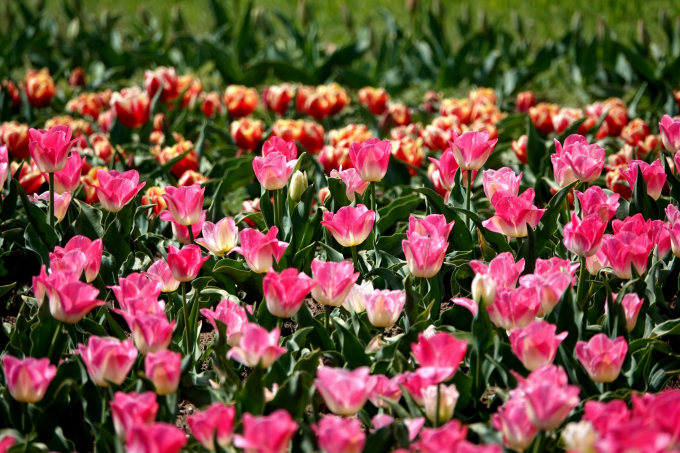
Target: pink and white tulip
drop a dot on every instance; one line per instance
(61, 203)
(258, 249)
(214, 422)
(503, 269)
(350, 226)
(585, 160)
(513, 213)
(278, 145)
(116, 189)
(424, 255)
(185, 204)
(484, 289)
(339, 435)
(584, 237)
(548, 397)
(266, 434)
(232, 315)
(155, 438)
(185, 264)
(273, 170)
(150, 332)
(257, 347)
(285, 292)
(345, 392)
(370, 158)
(68, 178)
(654, 175)
(513, 421)
(27, 379)
(136, 292)
(433, 225)
(181, 232)
(91, 249)
(352, 180)
(384, 307)
(632, 304)
(448, 397)
(438, 356)
(384, 388)
(356, 299)
(536, 345)
(669, 129)
(164, 370)
(514, 307)
(596, 201)
(626, 249)
(160, 272)
(132, 409)
(219, 238)
(108, 359)
(471, 149)
(333, 281)
(503, 179)
(601, 357)
(50, 149)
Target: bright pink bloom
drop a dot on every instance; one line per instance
(351, 225)
(345, 392)
(285, 292)
(631, 306)
(116, 189)
(91, 249)
(156, 438)
(606, 416)
(445, 439)
(333, 280)
(673, 214)
(381, 420)
(61, 203)
(416, 384)
(339, 435)
(219, 238)
(669, 129)
(108, 359)
(136, 291)
(50, 149)
(384, 388)
(601, 357)
(564, 173)
(654, 175)
(471, 149)
(550, 279)
(626, 249)
(596, 201)
(215, 421)
(424, 255)
(586, 161)
(70, 299)
(469, 447)
(258, 248)
(185, 264)
(384, 307)
(536, 345)
(548, 397)
(164, 369)
(470, 304)
(132, 409)
(150, 332)
(370, 158)
(353, 183)
(583, 237)
(266, 434)
(438, 356)
(433, 225)
(160, 271)
(257, 347)
(514, 307)
(503, 179)
(273, 170)
(181, 232)
(6, 442)
(513, 213)
(68, 178)
(502, 268)
(278, 145)
(513, 421)
(27, 379)
(4, 165)
(232, 315)
(658, 231)
(185, 203)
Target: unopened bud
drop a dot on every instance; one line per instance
(298, 185)
(580, 437)
(448, 397)
(483, 289)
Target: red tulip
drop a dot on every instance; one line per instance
(116, 189)
(164, 79)
(654, 175)
(185, 264)
(91, 249)
(409, 150)
(160, 271)
(333, 281)
(132, 409)
(211, 105)
(276, 98)
(257, 347)
(156, 438)
(525, 100)
(374, 99)
(108, 359)
(164, 369)
(344, 392)
(258, 249)
(339, 435)
(601, 357)
(371, 158)
(536, 345)
(27, 379)
(215, 422)
(513, 213)
(232, 315)
(131, 106)
(266, 434)
(583, 237)
(519, 146)
(240, 101)
(384, 307)
(285, 292)
(15, 136)
(350, 226)
(50, 149)
(40, 88)
(541, 115)
(438, 356)
(247, 133)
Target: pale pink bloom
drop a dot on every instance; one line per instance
(164, 369)
(116, 189)
(185, 264)
(258, 248)
(380, 421)
(160, 271)
(503, 179)
(673, 214)
(339, 435)
(273, 170)
(350, 226)
(467, 303)
(484, 289)
(68, 178)
(502, 268)
(438, 356)
(132, 409)
(580, 436)
(548, 397)
(445, 439)
(356, 299)
(108, 359)
(471, 149)
(632, 304)
(69, 299)
(433, 225)
(669, 129)
(654, 175)
(564, 173)
(384, 307)
(370, 158)
(155, 438)
(424, 255)
(61, 203)
(257, 347)
(215, 421)
(181, 232)
(448, 397)
(333, 280)
(136, 292)
(92, 250)
(352, 180)
(514, 307)
(185, 204)
(513, 421)
(601, 357)
(285, 292)
(596, 262)
(513, 213)
(384, 388)
(596, 201)
(232, 315)
(626, 249)
(345, 392)
(550, 279)
(586, 161)
(150, 332)
(219, 238)
(278, 145)
(536, 345)
(266, 434)
(50, 149)
(27, 379)
(583, 237)
(415, 384)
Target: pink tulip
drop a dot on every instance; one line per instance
(441, 411)
(424, 255)
(333, 281)
(185, 264)
(108, 359)
(356, 299)
(472, 149)
(514, 307)
(596, 201)
(353, 183)
(70, 300)
(257, 347)
(416, 384)
(548, 397)
(503, 179)
(216, 421)
(116, 189)
(438, 356)
(132, 409)
(657, 231)
(562, 168)
(579, 436)
(446, 167)
(61, 203)
(150, 332)
(345, 392)
(27, 379)
(586, 161)
(384, 388)
(350, 226)
(536, 345)
(279, 145)
(4, 165)
(266, 434)
(181, 232)
(513, 213)
(160, 272)
(379, 421)
(654, 175)
(606, 416)
(601, 357)
(232, 315)
(513, 421)
(156, 438)
(502, 268)
(433, 225)
(137, 291)
(596, 262)
(469, 447)
(68, 178)
(92, 250)
(583, 237)
(258, 248)
(285, 292)
(669, 129)
(673, 214)
(470, 304)
(164, 369)
(384, 307)
(185, 203)
(550, 279)
(370, 158)
(339, 435)
(632, 304)
(50, 149)
(273, 170)
(445, 439)
(414, 425)
(626, 249)
(6, 442)
(219, 238)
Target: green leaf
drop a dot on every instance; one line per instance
(319, 338)
(537, 152)
(672, 181)
(497, 240)
(38, 219)
(350, 347)
(89, 221)
(251, 398)
(338, 194)
(399, 209)
(34, 244)
(568, 318)
(528, 251)
(548, 225)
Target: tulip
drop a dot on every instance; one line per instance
(50, 149)
(257, 347)
(164, 79)
(266, 434)
(232, 315)
(536, 345)
(68, 178)
(150, 332)
(586, 161)
(416, 384)
(108, 359)
(132, 409)
(116, 189)
(352, 180)
(484, 289)
(154, 195)
(350, 226)
(445, 439)
(136, 291)
(601, 357)
(164, 369)
(61, 203)
(514, 307)
(524, 101)
(424, 255)
(442, 411)
(653, 174)
(472, 149)
(27, 379)
(240, 101)
(596, 201)
(669, 129)
(513, 213)
(285, 292)
(298, 186)
(215, 422)
(583, 237)
(519, 147)
(70, 300)
(160, 271)
(562, 163)
(219, 238)
(211, 105)
(625, 250)
(258, 249)
(448, 167)
(40, 88)
(91, 249)
(156, 438)
(273, 170)
(6, 442)
(580, 436)
(384, 307)
(333, 281)
(503, 179)
(344, 392)
(247, 133)
(278, 145)
(371, 158)
(513, 421)
(131, 107)
(596, 262)
(356, 299)
(549, 284)
(438, 356)
(339, 435)
(276, 98)
(433, 225)
(548, 397)
(374, 99)
(185, 203)
(16, 137)
(657, 231)
(632, 304)
(410, 151)
(384, 388)
(4, 165)
(502, 268)
(185, 264)
(181, 232)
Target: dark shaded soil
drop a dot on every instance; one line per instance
(206, 339)
(314, 306)
(445, 305)
(393, 331)
(185, 409)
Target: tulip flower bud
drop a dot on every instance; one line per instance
(448, 396)
(580, 436)
(484, 289)
(298, 185)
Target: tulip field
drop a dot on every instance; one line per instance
(253, 240)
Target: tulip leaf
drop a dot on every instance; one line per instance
(497, 241)
(34, 244)
(482, 334)
(398, 209)
(673, 182)
(319, 338)
(331, 253)
(303, 229)
(251, 399)
(528, 252)
(9, 204)
(547, 226)
(537, 152)
(89, 221)
(38, 219)
(267, 208)
(380, 441)
(339, 196)
(567, 316)
(350, 347)
(292, 396)
(641, 202)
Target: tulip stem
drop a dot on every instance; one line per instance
(51, 200)
(468, 194)
(186, 317)
(355, 258)
(374, 204)
(439, 396)
(423, 288)
(278, 210)
(581, 294)
(191, 233)
(328, 309)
